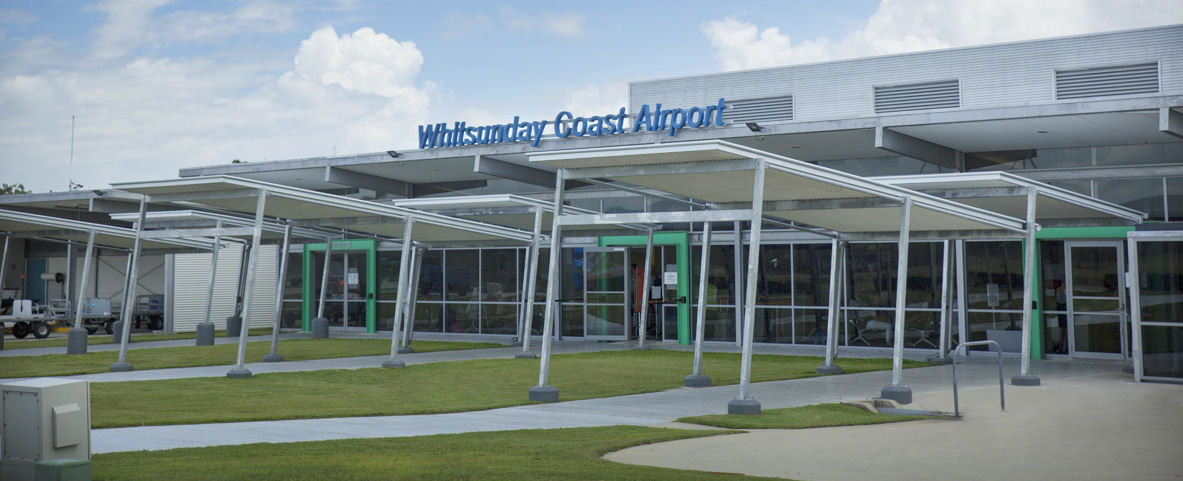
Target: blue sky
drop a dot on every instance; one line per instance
(157, 85)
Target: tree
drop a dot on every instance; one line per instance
(6, 189)
(236, 161)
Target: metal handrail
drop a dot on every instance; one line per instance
(961, 348)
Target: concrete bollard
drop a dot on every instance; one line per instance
(205, 334)
(117, 331)
(76, 341)
(320, 328)
(233, 326)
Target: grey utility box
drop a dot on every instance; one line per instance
(42, 419)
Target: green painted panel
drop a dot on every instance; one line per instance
(370, 246)
(681, 241)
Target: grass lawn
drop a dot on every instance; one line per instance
(803, 417)
(556, 454)
(190, 356)
(96, 339)
(426, 388)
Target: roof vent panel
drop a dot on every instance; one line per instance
(922, 96)
(766, 109)
(1107, 81)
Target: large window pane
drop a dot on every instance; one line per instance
(1145, 195)
(1162, 348)
(774, 325)
(994, 275)
(499, 273)
(720, 275)
(1175, 198)
(720, 323)
(1052, 274)
(461, 275)
(1160, 272)
(872, 269)
(293, 280)
(431, 276)
(291, 317)
(774, 286)
(388, 264)
(429, 317)
(463, 317)
(811, 275)
(809, 326)
(499, 318)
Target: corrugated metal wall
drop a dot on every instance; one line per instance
(192, 284)
(991, 76)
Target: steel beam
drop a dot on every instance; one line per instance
(644, 294)
(506, 170)
(404, 262)
(1170, 122)
(129, 297)
(934, 235)
(205, 195)
(382, 185)
(1025, 378)
(543, 392)
(909, 146)
(531, 283)
(832, 310)
(213, 275)
(81, 298)
(897, 390)
(976, 192)
(240, 370)
(696, 377)
(708, 167)
(191, 233)
(656, 217)
(745, 404)
(274, 355)
(816, 204)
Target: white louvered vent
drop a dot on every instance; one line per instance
(1107, 81)
(767, 109)
(922, 96)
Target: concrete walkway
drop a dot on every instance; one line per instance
(1098, 426)
(641, 409)
(9, 351)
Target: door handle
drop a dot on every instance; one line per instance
(681, 299)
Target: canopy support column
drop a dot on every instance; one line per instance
(696, 377)
(946, 291)
(320, 325)
(76, 338)
(962, 303)
(129, 294)
(205, 329)
(643, 321)
(404, 263)
(3, 268)
(412, 299)
(543, 392)
(898, 391)
(240, 370)
(737, 258)
(832, 313)
(531, 285)
(1025, 378)
(745, 404)
(274, 355)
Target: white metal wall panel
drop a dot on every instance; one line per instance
(192, 284)
(1001, 75)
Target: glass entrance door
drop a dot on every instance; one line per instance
(1096, 307)
(606, 294)
(354, 290)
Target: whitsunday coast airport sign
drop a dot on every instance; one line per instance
(566, 125)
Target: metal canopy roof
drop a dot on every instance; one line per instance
(305, 208)
(22, 224)
(508, 210)
(1006, 194)
(722, 173)
(178, 219)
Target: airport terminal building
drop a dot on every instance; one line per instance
(1072, 146)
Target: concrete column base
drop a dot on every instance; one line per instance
(697, 380)
(393, 363)
(205, 334)
(233, 326)
(274, 357)
(544, 394)
(943, 361)
(1025, 380)
(120, 367)
(747, 407)
(406, 350)
(320, 328)
(829, 370)
(76, 341)
(243, 373)
(899, 393)
(117, 331)
(525, 355)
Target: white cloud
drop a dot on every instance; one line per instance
(146, 117)
(461, 25)
(567, 24)
(595, 99)
(134, 23)
(913, 25)
(9, 16)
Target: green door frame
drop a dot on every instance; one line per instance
(681, 240)
(370, 247)
(1055, 234)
